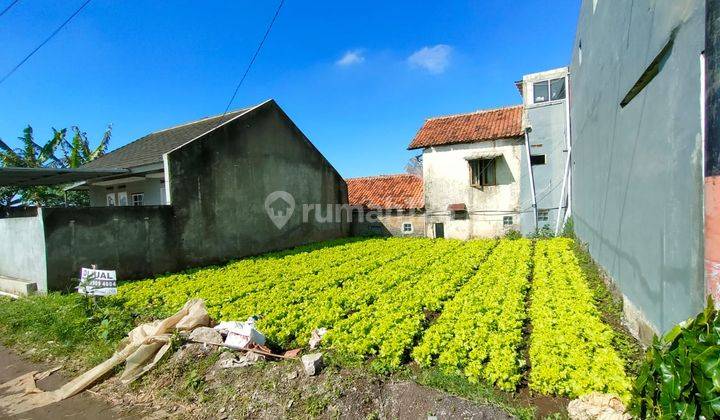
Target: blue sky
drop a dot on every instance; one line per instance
(359, 78)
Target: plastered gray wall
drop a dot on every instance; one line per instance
(637, 171)
(547, 138)
(219, 184)
(137, 242)
(22, 249)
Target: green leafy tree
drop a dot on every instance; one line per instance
(78, 152)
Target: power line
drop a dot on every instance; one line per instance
(9, 7)
(44, 42)
(252, 60)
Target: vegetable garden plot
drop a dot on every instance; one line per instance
(571, 349)
(389, 326)
(480, 330)
(459, 305)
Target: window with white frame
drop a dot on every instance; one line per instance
(407, 228)
(549, 90)
(137, 199)
(507, 220)
(543, 215)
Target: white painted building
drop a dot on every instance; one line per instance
(488, 172)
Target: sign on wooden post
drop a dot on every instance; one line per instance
(94, 282)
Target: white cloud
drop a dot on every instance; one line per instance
(433, 59)
(350, 58)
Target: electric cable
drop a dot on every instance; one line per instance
(9, 7)
(27, 57)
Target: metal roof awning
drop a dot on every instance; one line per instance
(492, 154)
(29, 177)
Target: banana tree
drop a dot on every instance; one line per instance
(75, 153)
(78, 152)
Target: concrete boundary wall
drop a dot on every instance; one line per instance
(637, 179)
(137, 242)
(22, 254)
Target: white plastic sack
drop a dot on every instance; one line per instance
(240, 334)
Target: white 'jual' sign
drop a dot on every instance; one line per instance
(97, 282)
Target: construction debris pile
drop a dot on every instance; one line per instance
(146, 345)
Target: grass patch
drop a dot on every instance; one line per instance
(66, 327)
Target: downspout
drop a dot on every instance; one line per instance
(568, 136)
(711, 149)
(566, 174)
(532, 177)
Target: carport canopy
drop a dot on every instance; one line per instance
(29, 177)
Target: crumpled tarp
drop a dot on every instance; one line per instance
(141, 350)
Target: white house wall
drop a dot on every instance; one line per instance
(151, 189)
(446, 174)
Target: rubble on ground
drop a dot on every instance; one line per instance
(597, 406)
(312, 363)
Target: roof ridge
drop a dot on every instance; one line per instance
(479, 111)
(168, 129)
(198, 120)
(382, 176)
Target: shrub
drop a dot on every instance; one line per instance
(680, 377)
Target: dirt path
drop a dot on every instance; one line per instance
(81, 406)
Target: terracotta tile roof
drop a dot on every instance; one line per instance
(470, 128)
(389, 192)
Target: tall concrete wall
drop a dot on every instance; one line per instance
(22, 249)
(219, 184)
(137, 242)
(637, 170)
(446, 174)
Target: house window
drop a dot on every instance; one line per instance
(122, 198)
(549, 90)
(537, 159)
(407, 228)
(439, 230)
(507, 220)
(482, 172)
(557, 89)
(110, 199)
(543, 215)
(137, 199)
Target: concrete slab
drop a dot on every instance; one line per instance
(17, 286)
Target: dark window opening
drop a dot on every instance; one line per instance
(482, 172)
(439, 230)
(507, 220)
(543, 215)
(540, 92)
(549, 90)
(557, 89)
(537, 159)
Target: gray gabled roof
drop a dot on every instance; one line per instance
(151, 148)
